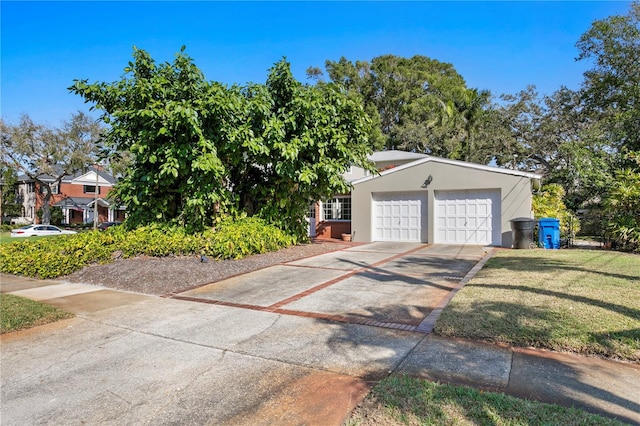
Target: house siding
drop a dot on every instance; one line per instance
(73, 190)
(32, 198)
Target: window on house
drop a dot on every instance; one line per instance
(338, 208)
(55, 189)
(31, 187)
(91, 189)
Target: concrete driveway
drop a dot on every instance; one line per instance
(385, 284)
(290, 344)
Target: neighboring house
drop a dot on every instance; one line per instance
(419, 198)
(75, 195)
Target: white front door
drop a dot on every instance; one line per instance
(468, 217)
(399, 217)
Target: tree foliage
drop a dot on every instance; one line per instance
(418, 104)
(47, 154)
(622, 207)
(554, 137)
(612, 87)
(200, 149)
(549, 203)
(611, 97)
(8, 200)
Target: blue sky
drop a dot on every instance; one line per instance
(499, 46)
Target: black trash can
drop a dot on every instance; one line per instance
(522, 232)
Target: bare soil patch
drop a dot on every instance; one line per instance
(166, 275)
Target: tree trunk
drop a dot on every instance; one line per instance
(46, 212)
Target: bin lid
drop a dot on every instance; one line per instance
(549, 219)
(522, 219)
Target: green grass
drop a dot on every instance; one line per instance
(582, 301)
(5, 237)
(18, 313)
(401, 400)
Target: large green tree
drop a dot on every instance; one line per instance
(611, 95)
(553, 136)
(200, 149)
(46, 155)
(418, 104)
(611, 89)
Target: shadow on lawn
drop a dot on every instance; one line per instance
(503, 322)
(527, 326)
(613, 307)
(546, 264)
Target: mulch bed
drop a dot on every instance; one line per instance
(165, 275)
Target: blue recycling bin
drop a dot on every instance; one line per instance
(549, 233)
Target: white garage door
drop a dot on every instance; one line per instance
(467, 217)
(399, 217)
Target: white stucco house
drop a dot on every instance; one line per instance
(420, 198)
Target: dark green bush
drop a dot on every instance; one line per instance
(622, 211)
(57, 256)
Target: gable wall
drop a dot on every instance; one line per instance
(515, 194)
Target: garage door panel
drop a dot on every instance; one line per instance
(467, 217)
(399, 217)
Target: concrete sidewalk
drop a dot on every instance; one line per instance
(596, 385)
(135, 359)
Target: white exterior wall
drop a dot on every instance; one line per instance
(514, 190)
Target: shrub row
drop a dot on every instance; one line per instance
(57, 256)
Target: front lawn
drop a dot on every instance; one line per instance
(401, 400)
(582, 301)
(18, 313)
(5, 237)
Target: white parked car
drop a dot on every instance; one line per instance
(39, 230)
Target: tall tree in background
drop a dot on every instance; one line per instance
(611, 95)
(611, 90)
(46, 154)
(8, 201)
(200, 149)
(552, 136)
(420, 104)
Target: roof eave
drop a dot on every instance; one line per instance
(491, 169)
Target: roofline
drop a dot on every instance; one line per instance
(110, 180)
(451, 162)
